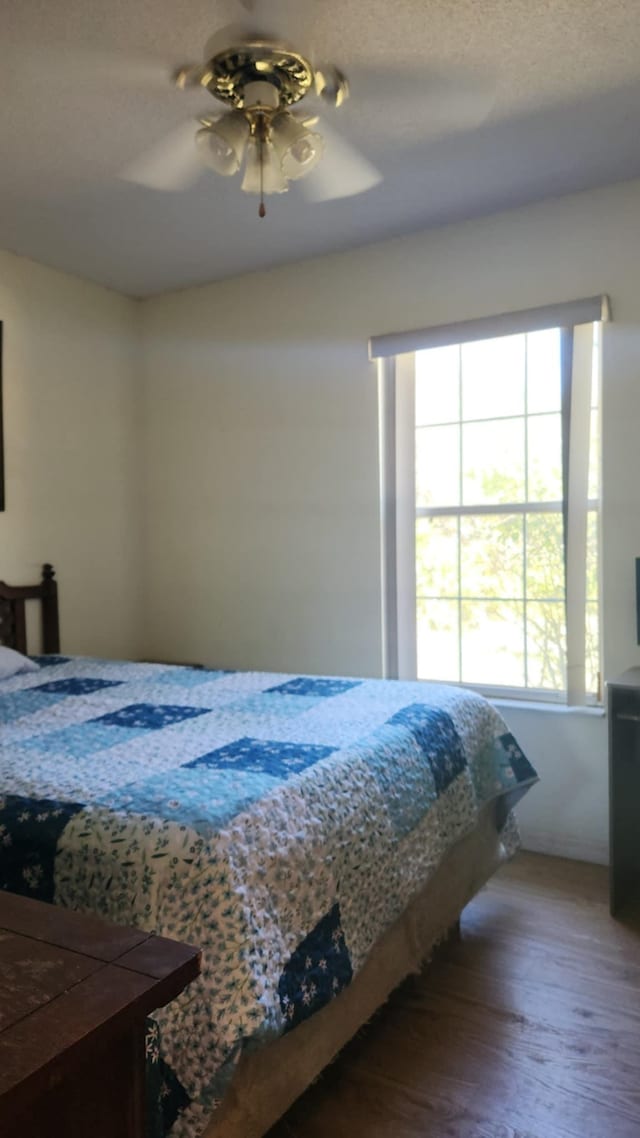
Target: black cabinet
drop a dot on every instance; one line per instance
(624, 789)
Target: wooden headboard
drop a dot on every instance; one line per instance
(13, 624)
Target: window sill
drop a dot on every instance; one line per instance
(593, 712)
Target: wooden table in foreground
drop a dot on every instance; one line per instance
(74, 995)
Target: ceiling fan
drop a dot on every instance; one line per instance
(261, 83)
(268, 124)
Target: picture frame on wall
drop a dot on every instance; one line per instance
(1, 431)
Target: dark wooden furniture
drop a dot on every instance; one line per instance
(624, 789)
(74, 994)
(13, 626)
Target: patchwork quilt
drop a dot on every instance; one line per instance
(280, 823)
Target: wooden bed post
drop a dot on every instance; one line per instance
(50, 624)
(13, 623)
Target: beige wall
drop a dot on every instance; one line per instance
(70, 370)
(261, 506)
(261, 492)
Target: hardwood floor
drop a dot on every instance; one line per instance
(529, 1027)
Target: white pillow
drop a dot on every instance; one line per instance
(12, 662)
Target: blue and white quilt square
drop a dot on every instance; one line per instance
(75, 685)
(316, 972)
(148, 716)
(436, 735)
(502, 769)
(269, 706)
(316, 686)
(279, 760)
(30, 829)
(19, 704)
(79, 740)
(203, 799)
(404, 775)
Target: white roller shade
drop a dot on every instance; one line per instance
(564, 315)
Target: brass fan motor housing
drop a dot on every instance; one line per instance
(227, 74)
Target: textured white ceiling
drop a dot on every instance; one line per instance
(85, 87)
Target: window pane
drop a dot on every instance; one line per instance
(438, 466)
(546, 645)
(438, 386)
(592, 661)
(438, 636)
(437, 557)
(492, 556)
(545, 557)
(493, 462)
(594, 455)
(493, 377)
(544, 458)
(593, 527)
(543, 370)
(493, 643)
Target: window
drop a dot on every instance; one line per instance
(491, 488)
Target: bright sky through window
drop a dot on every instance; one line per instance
(489, 496)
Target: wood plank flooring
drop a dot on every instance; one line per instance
(529, 1027)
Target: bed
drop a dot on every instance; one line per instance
(314, 835)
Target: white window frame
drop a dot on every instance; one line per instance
(395, 354)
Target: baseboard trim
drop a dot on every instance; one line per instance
(565, 845)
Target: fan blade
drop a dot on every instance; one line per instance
(88, 67)
(439, 98)
(342, 171)
(121, 70)
(172, 163)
